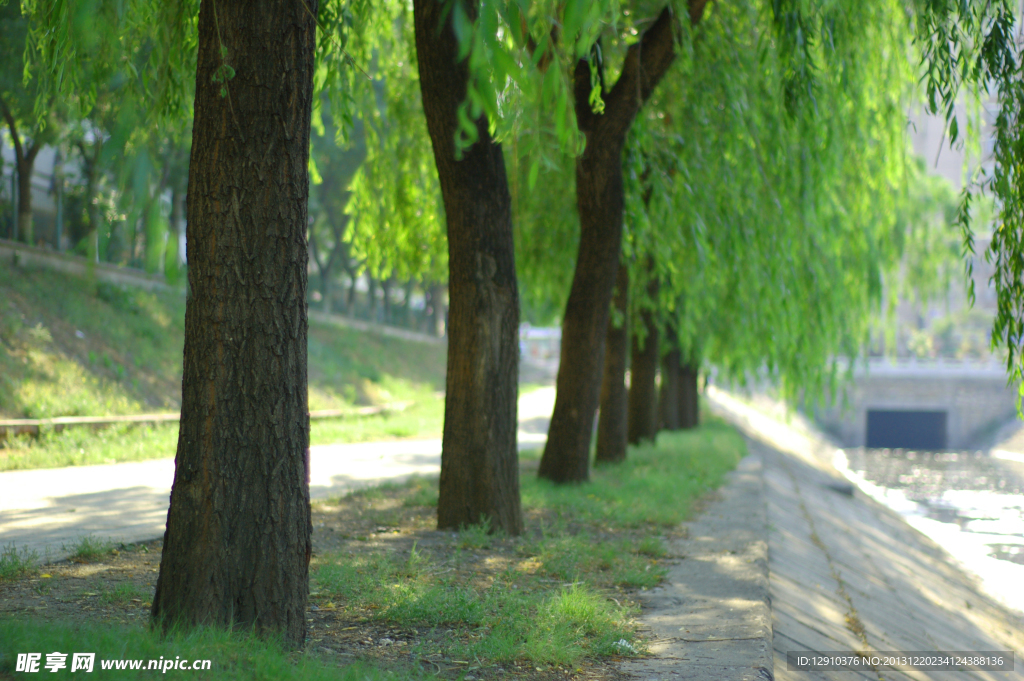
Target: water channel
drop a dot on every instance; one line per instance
(969, 502)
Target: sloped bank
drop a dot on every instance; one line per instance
(844, 573)
(789, 557)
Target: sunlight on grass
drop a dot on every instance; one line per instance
(655, 485)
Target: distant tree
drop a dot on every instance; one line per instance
(29, 132)
(336, 164)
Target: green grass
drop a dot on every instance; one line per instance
(69, 347)
(122, 594)
(555, 601)
(513, 617)
(654, 486)
(233, 656)
(423, 419)
(86, 446)
(15, 563)
(90, 548)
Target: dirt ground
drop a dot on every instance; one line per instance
(118, 587)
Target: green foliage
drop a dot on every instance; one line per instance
(970, 48)
(766, 179)
(396, 208)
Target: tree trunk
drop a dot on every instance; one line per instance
(24, 162)
(26, 166)
(385, 287)
(600, 201)
(25, 202)
(437, 311)
(58, 199)
(371, 298)
(689, 402)
(91, 164)
(643, 391)
(668, 400)
(350, 306)
(237, 546)
(611, 424)
(407, 318)
(479, 461)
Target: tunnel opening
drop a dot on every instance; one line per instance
(898, 429)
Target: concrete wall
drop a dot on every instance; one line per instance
(975, 397)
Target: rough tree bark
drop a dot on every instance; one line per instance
(689, 402)
(643, 371)
(611, 424)
(479, 461)
(600, 201)
(237, 546)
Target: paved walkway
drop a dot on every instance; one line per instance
(47, 510)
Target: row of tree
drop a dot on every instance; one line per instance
(119, 185)
(757, 150)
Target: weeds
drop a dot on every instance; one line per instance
(17, 563)
(90, 548)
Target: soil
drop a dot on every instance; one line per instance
(84, 591)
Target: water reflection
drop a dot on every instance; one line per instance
(969, 502)
(978, 493)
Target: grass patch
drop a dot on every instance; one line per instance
(88, 447)
(69, 347)
(424, 418)
(513, 618)
(557, 595)
(15, 563)
(90, 548)
(232, 655)
(656, 485)
(123, 594)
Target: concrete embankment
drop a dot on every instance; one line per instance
(789, 557)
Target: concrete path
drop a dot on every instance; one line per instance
(711, 618)
(47, 510)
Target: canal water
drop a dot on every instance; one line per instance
(970, 503)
